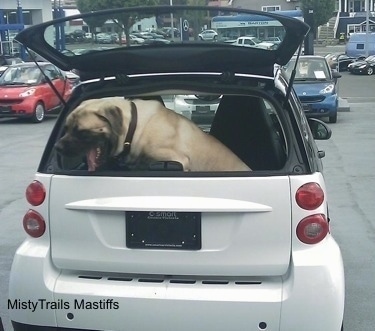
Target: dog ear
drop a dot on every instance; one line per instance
(113, 116)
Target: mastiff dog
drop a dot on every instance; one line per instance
(141, 132)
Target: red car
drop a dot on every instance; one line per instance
(25, 92)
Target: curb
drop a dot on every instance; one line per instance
(343, 105)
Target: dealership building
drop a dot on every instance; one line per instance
(15, 15)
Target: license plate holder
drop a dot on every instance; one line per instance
(5, 109)
(163, 230)
(203, 109)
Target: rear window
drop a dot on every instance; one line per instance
(249, 126)
(360, 46)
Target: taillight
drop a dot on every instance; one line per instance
(34, 224)
(310, 196)
(35, 193)
(312, 229)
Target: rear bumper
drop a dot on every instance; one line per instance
(13, 114)
(74, 301)
(362, 71)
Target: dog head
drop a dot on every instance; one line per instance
(95, 129)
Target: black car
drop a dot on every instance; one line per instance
(339, 61)
(138, 219)
(363, 67)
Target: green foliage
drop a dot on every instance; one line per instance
(323, 10)
(123, 21)
(85, 6)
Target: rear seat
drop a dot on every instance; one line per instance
(245, 126)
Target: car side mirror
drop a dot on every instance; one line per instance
(336, 74)
(319, 129)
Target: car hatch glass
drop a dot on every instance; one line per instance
(162, 34)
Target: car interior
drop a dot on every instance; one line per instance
(247, 125)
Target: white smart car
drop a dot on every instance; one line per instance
(138, 243)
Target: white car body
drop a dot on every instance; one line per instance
(249, 41)
(283, 276)
(120, 241)
(208, 35)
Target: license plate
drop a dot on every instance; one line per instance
(203, 109)
(306, 107)
(163, 230)
(5, 109)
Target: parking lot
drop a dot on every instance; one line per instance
(350, 155)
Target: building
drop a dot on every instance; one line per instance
(16, 15)
(349, 16)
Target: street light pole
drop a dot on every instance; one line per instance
(367, 25)
(172, 28)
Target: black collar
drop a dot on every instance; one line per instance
(131, 130)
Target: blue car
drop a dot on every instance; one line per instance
(315, 86)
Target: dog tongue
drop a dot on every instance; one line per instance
(91, 159)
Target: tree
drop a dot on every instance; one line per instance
(123, 21)
(322, 11)
(85, 6)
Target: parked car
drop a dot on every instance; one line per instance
(104, 38)
(208, 35)
(364, 67)
(201, 109)
(339, 61)
(275, 40)
(156, 41)
(250, 41)
(25, 92)
(315, 85)
(168, 32)
(6, 61)
(136, 40)
(119, 241)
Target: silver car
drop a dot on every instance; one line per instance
(206, 35)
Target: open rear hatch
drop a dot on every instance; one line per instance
(160, 52)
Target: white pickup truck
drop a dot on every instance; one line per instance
(249, 41)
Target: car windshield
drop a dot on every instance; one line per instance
(309, 69)
(370, 58)
(20, 76)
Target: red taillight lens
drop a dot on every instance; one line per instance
(310, 196)
(35, 193)
(34, 224)
(312, 229)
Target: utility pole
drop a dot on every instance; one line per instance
(172, 28)
(367, 7)
(309, 40)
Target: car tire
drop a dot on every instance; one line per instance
(370, 71)
(333, 118)
(39, 113)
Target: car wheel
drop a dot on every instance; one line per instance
(39, 112)
(333, 118)
(370, 71)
